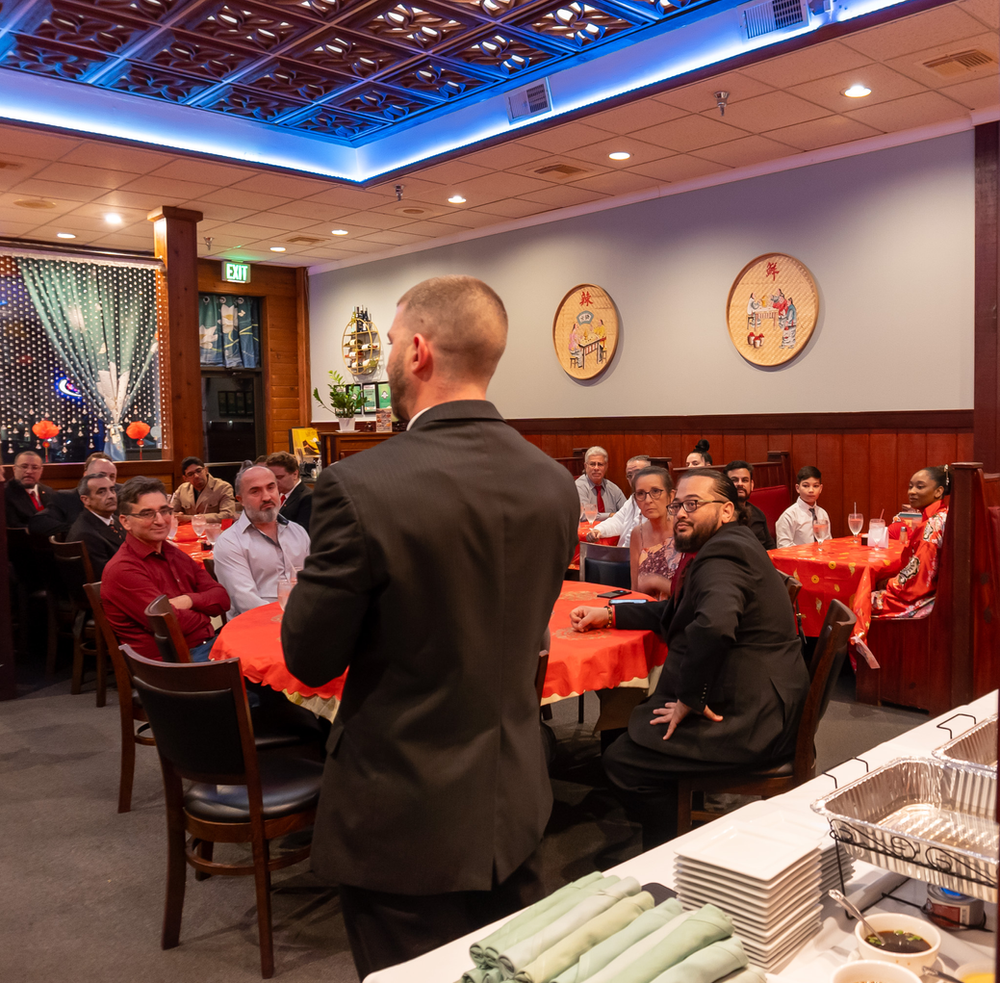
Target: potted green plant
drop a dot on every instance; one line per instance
(345, 401)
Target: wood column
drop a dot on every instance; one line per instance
(175, 234)
(986, 422)
(960, 627)
(304, 366)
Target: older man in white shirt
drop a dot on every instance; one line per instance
(628, 516)
(261, 547)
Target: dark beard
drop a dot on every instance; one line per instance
(691, 542)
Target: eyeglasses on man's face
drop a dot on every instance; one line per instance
(692, 505)
(653, 493)
(191, 472)
(148, 515)
(28, 467)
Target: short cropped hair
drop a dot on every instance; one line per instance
(807, 472)
(597, 451)
(20, 454)
(639, 457)
(136, 487)
(96, 456)
(188, 461)
(282, 459)
(83, 487)
(739, 466)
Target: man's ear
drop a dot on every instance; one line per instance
(422, 357)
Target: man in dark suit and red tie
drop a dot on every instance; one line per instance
(26, 495)
(436, 559)
(97, 525)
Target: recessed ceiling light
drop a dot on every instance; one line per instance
(857, 91)
(65, 235)
(113, 218)
(619, 155)
(277, 249)
(338, 232)
(456, 200)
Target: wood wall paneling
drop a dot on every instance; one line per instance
(987, 360)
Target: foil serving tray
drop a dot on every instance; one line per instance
(977, 746)
(926, 818)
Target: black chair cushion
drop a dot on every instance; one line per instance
(290, 783)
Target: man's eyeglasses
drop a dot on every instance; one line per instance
(654, 493)
(691, 505)
(28, 467)
(191, 472)
(147, 515)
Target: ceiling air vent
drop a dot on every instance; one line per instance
(532, 100)
(959, 63)
(560, 170)
(304, 240)
(773, 15)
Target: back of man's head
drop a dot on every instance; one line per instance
(465, 322)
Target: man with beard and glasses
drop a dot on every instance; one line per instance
(261, 547)
(733, 688)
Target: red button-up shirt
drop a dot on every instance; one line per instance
(137, 574)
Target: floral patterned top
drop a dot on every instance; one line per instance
(910, 594)
(659, 558)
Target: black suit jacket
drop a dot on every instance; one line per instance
(733, 646)
(436, 559)
(298, 505)
(19, 506)
(60, 512)
(758, 526)
(102, 541)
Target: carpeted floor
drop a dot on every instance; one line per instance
(82, 887)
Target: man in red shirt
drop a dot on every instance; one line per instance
(147, 566)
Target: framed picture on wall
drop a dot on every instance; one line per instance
(354, 389)
(384, 395)
(370, 397)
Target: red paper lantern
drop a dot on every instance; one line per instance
(45, 430)
(137, 430)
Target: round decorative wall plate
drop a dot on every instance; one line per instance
(585, 331)
(772, 309)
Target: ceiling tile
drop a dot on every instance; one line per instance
(374, 220)
(505, 156)
(314, 210)
(515, 207)
(502, 184)
(690, 133)
(913, 111)
(91, 177)
(564, 197)
(747, 151)
(432, 229)
(284, 186)
(452, 172)
(618, 183)
(116, 157)
(988, 11)
(272, 220)
(52, 190)
(246, 232)
(131, 199)
(245, 199)
(347, 197)
(825, 132)
(469, 218)
(559, 139)
(413, 188)
(641, 152)
(814, 62)
(943, 24)
(635, 116)
(912, 65)
(977, 94)
(36, 215)
(218, 213)
(389, 237)
(168, 186)
(8, 228)
(19, 169)
(35, 143)
(95, 210)
(700, 96)
(680, 168)
(769, 111)
(207, 172)
(583, 168)
(414, 210)
(884, 83)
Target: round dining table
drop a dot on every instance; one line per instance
(578, 661)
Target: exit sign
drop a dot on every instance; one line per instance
(236, 272)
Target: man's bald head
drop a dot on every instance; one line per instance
(464, 320)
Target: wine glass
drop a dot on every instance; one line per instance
(198, 523)
(590, 512)
(213, 530)
(820, 529)
(856, 522)
(876, 533)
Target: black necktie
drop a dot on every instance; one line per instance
(812, 512)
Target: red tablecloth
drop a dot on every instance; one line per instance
(193, 549)
(843, 570)
(578, 661)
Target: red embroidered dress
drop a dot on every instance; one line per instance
(910, 594)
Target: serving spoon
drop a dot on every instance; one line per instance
(890, 943)
(936, 974)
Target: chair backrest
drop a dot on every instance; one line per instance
(605, 565)
(122, 678)
(661, 462)
(828, 660)
(793, 587)
(74, 568)
(543, 665)
(167, 631)
(772, 500)
(199, 717)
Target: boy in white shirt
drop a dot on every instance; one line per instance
(795, 525)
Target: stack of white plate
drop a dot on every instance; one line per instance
(767, 881)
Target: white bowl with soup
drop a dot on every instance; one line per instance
(873, 971)
(917, 935)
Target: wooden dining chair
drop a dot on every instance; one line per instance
(167, 630)
(130, 708)
(781, 776)
(201, 721)
(30, 586)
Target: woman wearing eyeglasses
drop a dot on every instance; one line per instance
(653, 555)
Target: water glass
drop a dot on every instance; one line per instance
(821, 527)
(855, 522)
(198, 523)
(284, 589)
(172, 535)
(590, 512)
(876, 534)
(213, 530)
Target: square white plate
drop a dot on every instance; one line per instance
(759, 854)
(803, 879)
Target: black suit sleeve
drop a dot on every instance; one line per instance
(758, 526)
(334, 588)
(305, 512)
(651, 616)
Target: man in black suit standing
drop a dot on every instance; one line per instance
(436, 559)
(96, 526)
(26, 495)
(734, 685)
(741, 475)
(296, 498)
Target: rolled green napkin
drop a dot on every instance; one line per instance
(748, 975)
(597, 958)
(567, 951)
(707, 965)
(478, 975)
(676, 941)
(517, 956)
(484, 953)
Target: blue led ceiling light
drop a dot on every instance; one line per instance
(353, 89)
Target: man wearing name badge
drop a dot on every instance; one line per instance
(741, 475)
(96, 526)
(628, 516)
(733, 688)
(436, 559)
(260, 547)
(26, 494)
(594, 489)
(296, 498)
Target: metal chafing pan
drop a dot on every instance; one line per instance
(929, 819)
(977, 746)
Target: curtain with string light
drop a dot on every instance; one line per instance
(229, 328)
(100, 320)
